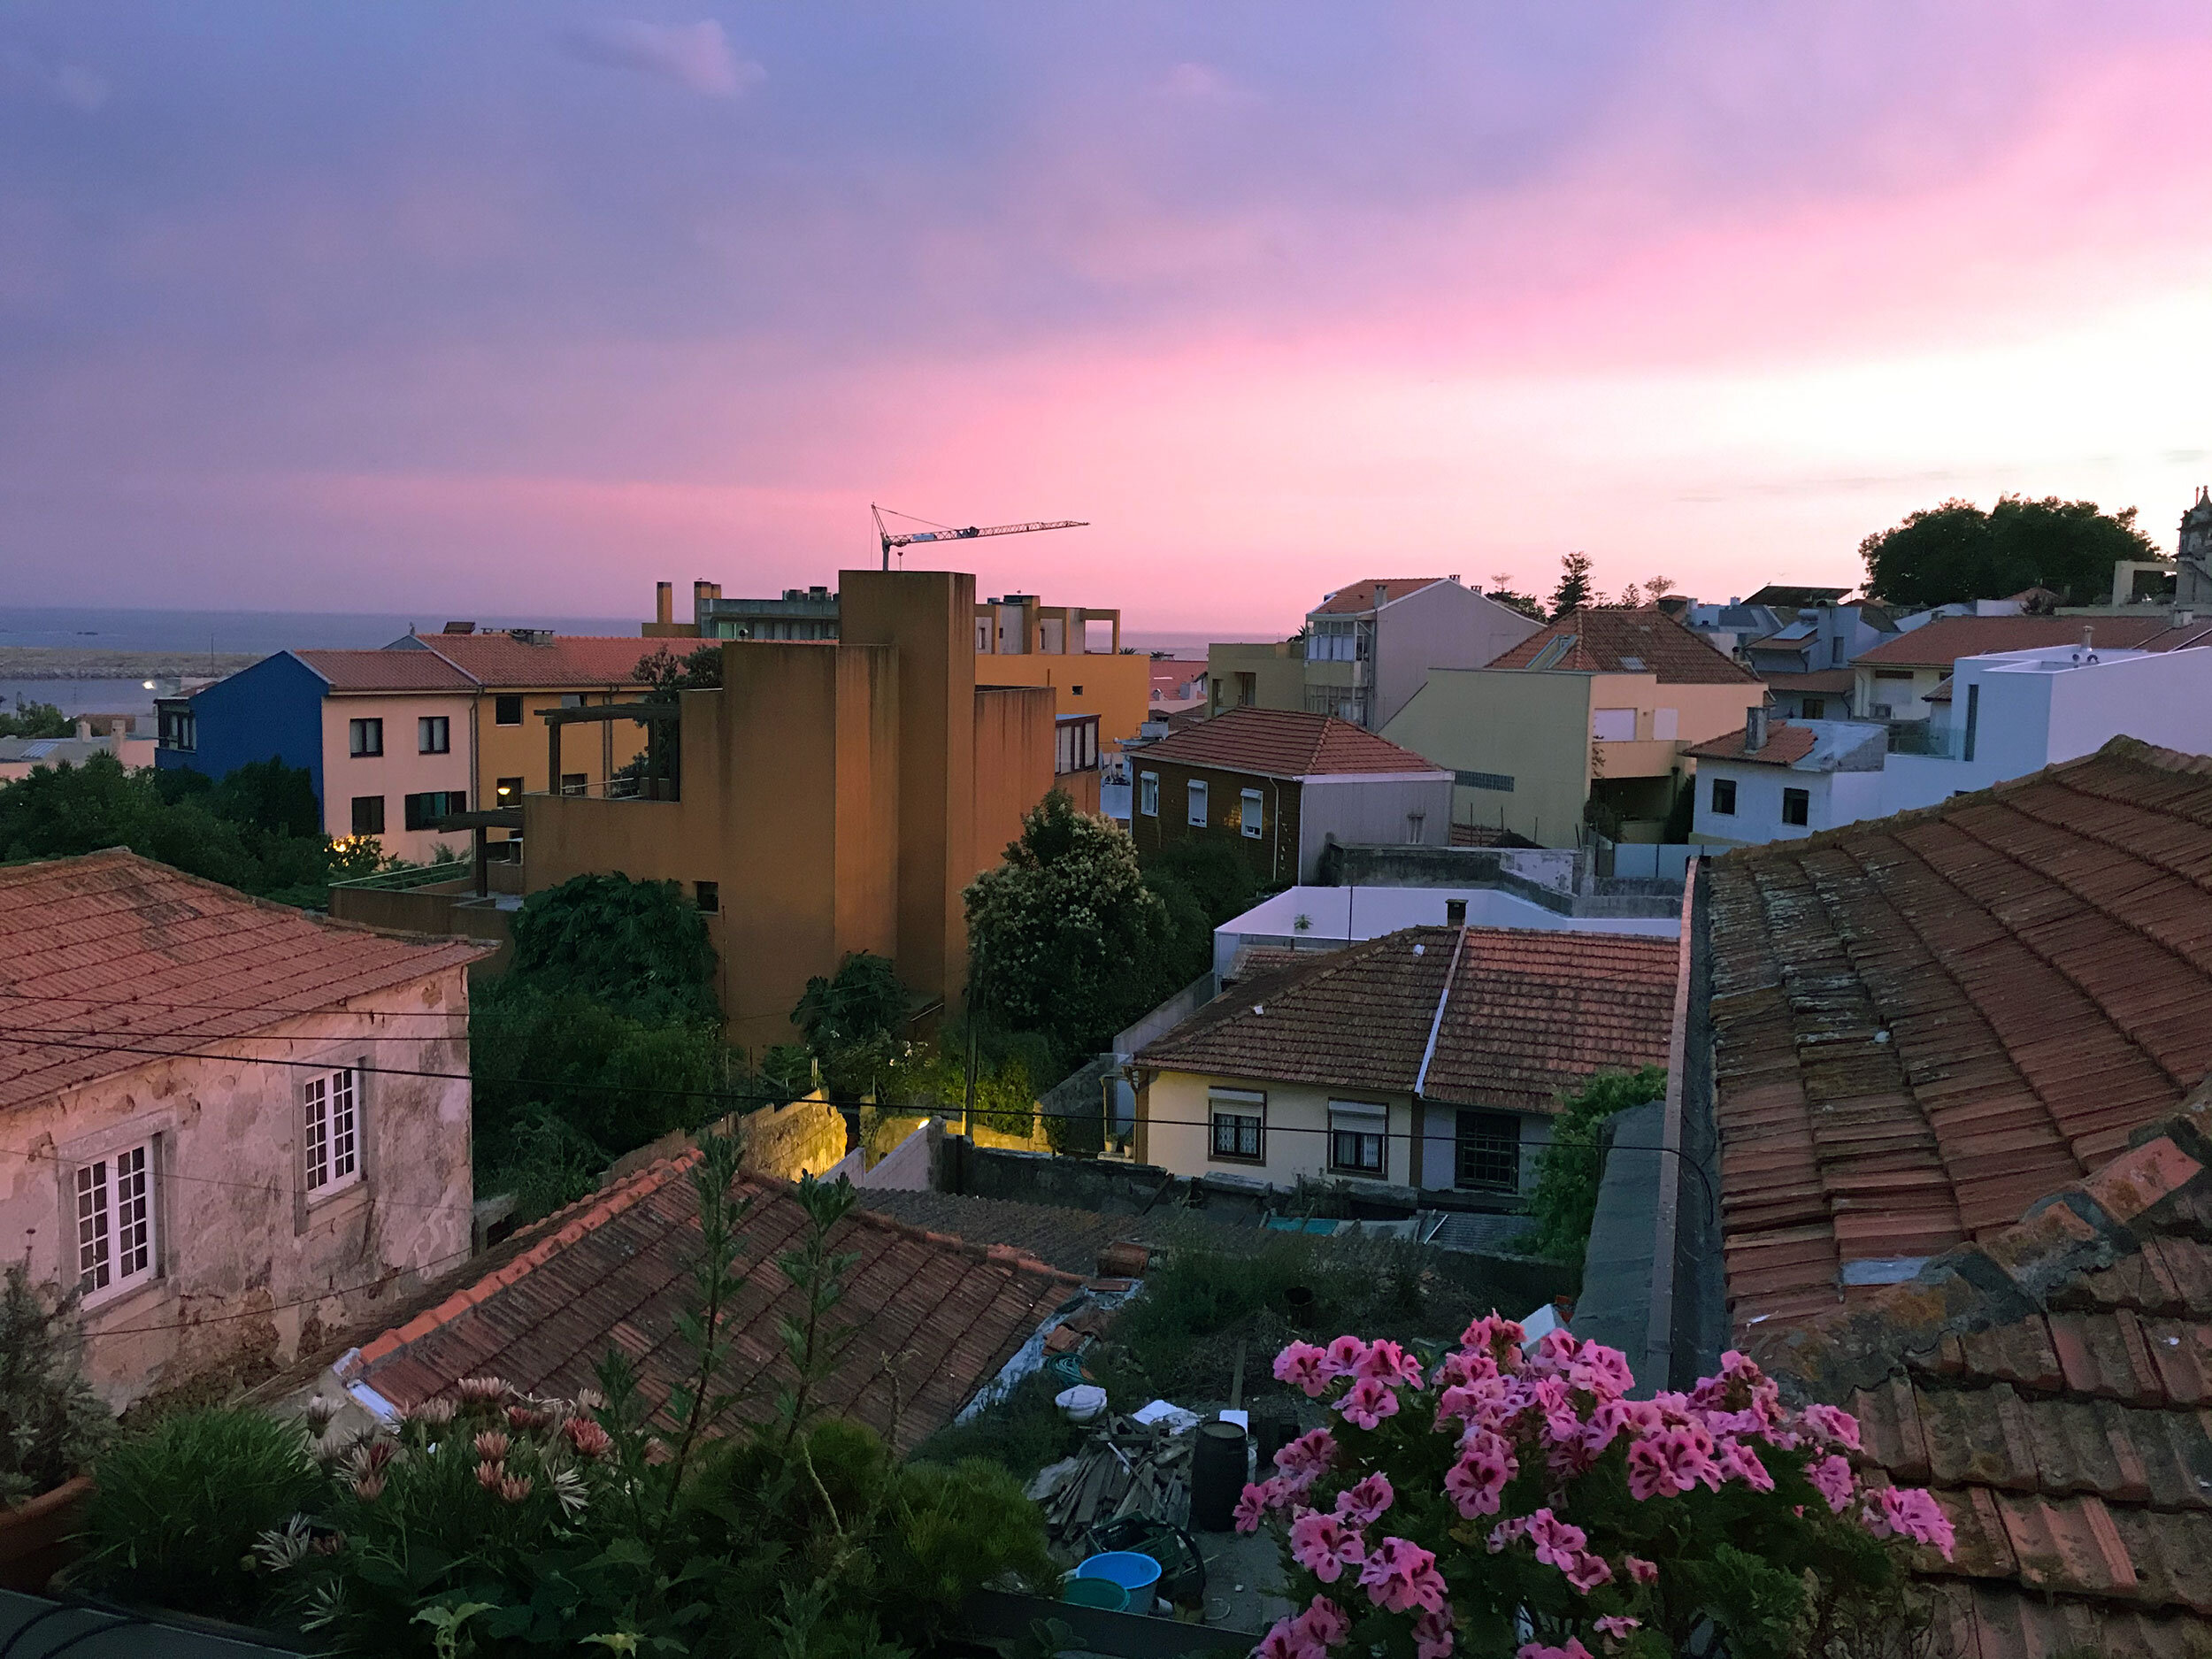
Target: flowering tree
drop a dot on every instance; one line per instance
(1500, 1502)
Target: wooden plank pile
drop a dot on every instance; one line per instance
(1128, 1468)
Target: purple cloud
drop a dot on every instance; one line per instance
(694, 55)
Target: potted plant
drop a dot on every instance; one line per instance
(51, 1428)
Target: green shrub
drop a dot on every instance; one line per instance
(640, 948)
(178, 1509)
(52, 1426)
(1564, 1201)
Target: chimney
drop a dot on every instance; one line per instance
(84, 727)
(1382, 592)
(2184, 618)
(1754, 730)
(700, 592)
(1455, 912)
(2088, 636)
(664, 602)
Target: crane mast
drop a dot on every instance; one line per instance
(890, 539)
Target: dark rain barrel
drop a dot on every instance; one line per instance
(1216, 1476)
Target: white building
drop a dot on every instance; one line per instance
(1777, 780)
(1999, 716)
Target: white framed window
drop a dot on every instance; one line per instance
(1240, 1126)
(1148, 793)
(331, 1107)
(1359, 1137)
(1196, 791)
(115, 1220)
(1249, 813)
(364, 737)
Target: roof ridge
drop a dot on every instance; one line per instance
(1011, 1255)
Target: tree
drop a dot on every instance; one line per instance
(864, 999)
(1064, 938)
(34, 719)
(1955, 551)
(638, 946)
(1501, 590)
(665, 673)
(1657, 587)
(1564, 1201)
(1574, 590)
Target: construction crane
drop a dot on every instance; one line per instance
(943, 533)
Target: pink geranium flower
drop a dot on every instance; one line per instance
(1344, 1355)
(1557, 1542)
(1487, 1334)
(1324, 1624)
(1642, 1571)
(1400, 1575)
(1433, 1634)
(1477, 1482)
(1668, 1463)
(1304, 1459)
(1615, 1627)
(1910, 1512)
(1600, 1371)
(1833, 1424)
(1255, 1502)
(1283, 1641)
(1587, 1572)
(1538, 1650)
(1304, 1367)
(1324, 1545)
(1737, 1462)
(1364, 1505)
(1368, 1403)
(1387, 1362)
(1831, 1477)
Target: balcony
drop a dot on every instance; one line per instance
(1633, 757)
(1924, 737)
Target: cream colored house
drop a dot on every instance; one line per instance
(1598, 707)
(1432, 1059)
(238, 1128)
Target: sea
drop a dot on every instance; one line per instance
(259, 632)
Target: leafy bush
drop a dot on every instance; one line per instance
(638, 946)
(1564, 1201)
(256, 831)
(1492, 1496)
(52, 1426)
(32, 718)
(177, 1509)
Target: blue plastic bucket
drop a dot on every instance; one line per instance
(1133, 1572)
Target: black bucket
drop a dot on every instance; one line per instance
(1216, 1476)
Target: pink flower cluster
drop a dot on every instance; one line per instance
(1556, 1408)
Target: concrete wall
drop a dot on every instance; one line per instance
(248, 1266)
(1441, 626)
(1531, 728)
(272, 709)
(595, 749)
(1013, 765)
(1367, 810)
(1272, 856)
(1117, 689)
(1335, 916)
(1834, 798)
(1278, 670)
(400, 771)
(1905, 695)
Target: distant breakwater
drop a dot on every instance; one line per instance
(65, 662)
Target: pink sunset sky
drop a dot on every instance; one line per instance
(521, 306)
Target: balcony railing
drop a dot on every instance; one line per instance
(1924, 737)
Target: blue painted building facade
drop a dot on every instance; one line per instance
(272, 709)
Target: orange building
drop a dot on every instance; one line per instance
(832, 795)
(1019, 640)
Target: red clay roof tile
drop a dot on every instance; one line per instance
(113, 960)
(1360, 597)
(615, 1270)
(1647, 640)
(1786, 745)
(1530, 1015)
(499, 661)
(1939, 643)
(1283, 744)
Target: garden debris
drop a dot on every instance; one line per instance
(1128, 1468)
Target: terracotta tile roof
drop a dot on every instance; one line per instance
(1836, 681)
(1360, 596)
(2051, 1385)
(115, 949)
(1282, 743)
(387, 670)
(1530, 1015)
(1939, 643)
(1922, 1024)
(500, 662)
(1785, 746)
(1605, 641)
(616, 1270)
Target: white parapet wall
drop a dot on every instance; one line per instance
(1326, 918)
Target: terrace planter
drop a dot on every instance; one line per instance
(36, 1541)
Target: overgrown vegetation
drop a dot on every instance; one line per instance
(1564, 1201)
(493, 1524)
(52, 1426)
(1956, 551)
(605, 1035)
(32, 718)
(176, 1511)
(256, 830)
